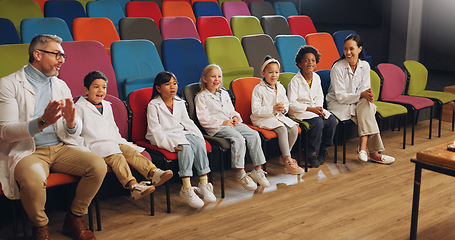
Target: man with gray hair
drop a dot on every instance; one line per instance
(38, 130)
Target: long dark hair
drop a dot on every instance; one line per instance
(356, 38)
(160, 79)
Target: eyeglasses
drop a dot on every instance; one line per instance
(58, 55)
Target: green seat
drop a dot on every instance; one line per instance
(285, 78)
(418, 77)
(386, 109)
(12, 58)
(16, 11)
(227, 52)
(245, 25)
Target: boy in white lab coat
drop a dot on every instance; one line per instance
(101, 135)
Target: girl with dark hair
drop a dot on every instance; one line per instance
(350, 97)
(170, 128)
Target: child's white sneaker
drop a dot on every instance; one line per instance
(159, 176)
(259, 177)
(191, 197)
(206, 190)
(142, 189)
(247, 182)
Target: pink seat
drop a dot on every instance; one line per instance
(178, 27)
(234, 8)
(84, 57)
(394, 81)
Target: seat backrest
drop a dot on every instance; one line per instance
(324, 43)
(8, 32)
(189, 93)
(84, 57)
(234, 8)
(120, 114)
(84, 3)
(220, 2)
(97, 29)
(146, 9)
(206, 8)
(256, 48)
(245, 25)
(186, 58)
(301, 25)
(132, 28)
(285, 9)
(12, 58)
(212, 26)
(31, 27)
(193, 1)
(138, 101)
(177, 8)
(136, 64)
(418, 76)
(16, 11)
(227, 52)
(275, 25)
(41, 4)
(178, 27)
(393, 81)
(261, 8)
(242, 89)
(287, 47)
(375, 81)
(66, 10)
(122, 4)
(107, 9)
(325, 82)
(248, 1)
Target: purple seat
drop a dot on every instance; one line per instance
(394, 81)
(234, 8)
(84, 57)
(178, 27)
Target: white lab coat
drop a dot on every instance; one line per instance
(301, 96)
(211, 112)
(167, 130)
(17, 105)
(100, 133)
(345, 88)
(262, 101)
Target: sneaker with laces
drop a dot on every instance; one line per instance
(291, 167)
(191, 197)
(246, 182)
(206, 190)
(141, 189)
(259, 177)
(313, 161)
(159, 176)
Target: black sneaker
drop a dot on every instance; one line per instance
(313, 161)
(322, 156)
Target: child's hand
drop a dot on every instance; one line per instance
(235, 120)
(227, 123)
(177, 149)
(368, 94)
(279, 107)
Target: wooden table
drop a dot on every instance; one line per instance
(437, 159)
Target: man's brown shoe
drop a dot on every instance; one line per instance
(75, 226)
(40, 233)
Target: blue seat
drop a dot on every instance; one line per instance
(287, 47)
(203, 8)
(122, 4)
(66, 10)
(186, 58)
(31, 27)
(136, 64)
(8, 32)
(107, 9)
(339, 37)
(285, 9)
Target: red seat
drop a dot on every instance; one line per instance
(212, 26)
(144, 9)
(301, 25)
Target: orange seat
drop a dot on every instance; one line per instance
(326, 47)
(177, 8)
(97, 29)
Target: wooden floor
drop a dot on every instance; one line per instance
(353, 201)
